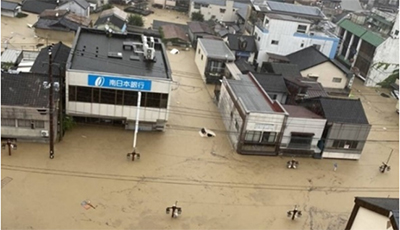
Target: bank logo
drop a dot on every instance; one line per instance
(99, 81)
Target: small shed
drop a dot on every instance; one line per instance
(10, 9)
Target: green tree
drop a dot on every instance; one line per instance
(135, 20)
(392, 77)
(197, 16)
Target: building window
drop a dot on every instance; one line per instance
(202, 57)
(198, 51)
(164, 100)
(107, 96)
(130, 98)
(337, 80)
(258, 39)
(222, 10)
(83, 94)
(302, 45)
(95, 95)
(72, 93)
(268, 137)
(253, 136)
(301, 29)
(274, 96)
(396, 32)
(344, 144)
(119, 97)
(216, 66)
(301, 140)
(318, 47)
(255, 34)
(275, 42)
(237, 125)
(153, 100)
(197, 6)
(25, 124)
(8, 122)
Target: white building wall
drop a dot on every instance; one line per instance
(265, 122)
(369, 220)
(214, 10)
(117, 111)
(326, 72)
(284, 32)
(201, 60)
(230, 116)
(303, 125)
(387, 52)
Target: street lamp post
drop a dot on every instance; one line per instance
(295, 213)
(10, 145)
(176, 211)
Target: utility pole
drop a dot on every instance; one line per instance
(294, 213)
(10, 146)
(134, 154)
(51, 104)
(384, 165)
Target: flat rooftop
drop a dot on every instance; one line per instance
(252, 98)
(95, 50)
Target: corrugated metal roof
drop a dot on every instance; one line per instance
(366, 35)
(10, 55)
(216, 49)
(372, 38)
(5, 5)
(352, 27)
(252, 98)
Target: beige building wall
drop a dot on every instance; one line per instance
(326, 72)
(201, 60)
(66, 37)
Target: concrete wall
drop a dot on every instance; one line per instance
(303, 125)
(350, 132)
(326, 72)
(214, 10)
(387, 52)
(230, 116)
(289, 40)
(115, 111)
(67, 37)
(27, 133)
(266, 122)
(367, 219)
(201, 63)
(75, 8)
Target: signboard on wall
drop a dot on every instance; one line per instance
(119, 83)
(264, 127)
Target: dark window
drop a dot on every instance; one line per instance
(197, 5)
(202, 57)
(130, 98)
(107, 96)
(143, 100)
(302, 45)
(96, 95)
(300, 140)
(258, 39)
(72, 93)
(318, 47)
(83, 94)
(38, 124)
(199, 51)
(301, 29)
(344, 144)
(153, 100)
(8, 122)
(164, 100)
(396, 32)
(268, 137)
(222, 10)
(337, 80)
(274, 96)
(275, 42)
(119, 97)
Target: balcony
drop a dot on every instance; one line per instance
(262, 27)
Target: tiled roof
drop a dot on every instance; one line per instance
(25, 89)
(6, 5)
(37, 6)
(157, 25)
(60, 20)
(235, 39)
(114, 20)
(199, 27)
(272, 83)
(341, 110)
(286, 69)
(244, 66)
(60, 53)
(307, 58)
(174, 32)
(115, 11)
(300, 111)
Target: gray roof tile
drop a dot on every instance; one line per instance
(272, 83)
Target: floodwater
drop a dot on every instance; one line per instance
(216, 187)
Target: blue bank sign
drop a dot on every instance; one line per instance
(119, 83)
